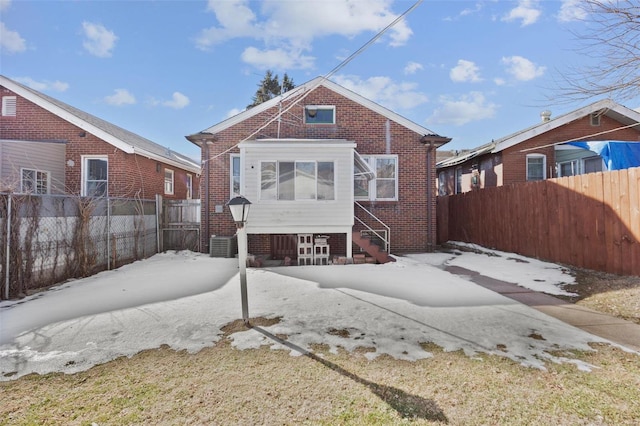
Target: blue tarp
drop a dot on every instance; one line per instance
(617, 155)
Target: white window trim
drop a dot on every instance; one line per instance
(231, 157)
(84, 169)
(277, 199)
(544, 165)
(173, 182)
(324, 107)
(9, 106)
(189, 186)
(371, 159)
(36, 171)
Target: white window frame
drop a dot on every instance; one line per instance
(9, 106)
(373, 183)
(169, 185)
(34, 182)
(458, 178)
(309, 114)
(85, 169)
(442, 188)
(189, 186)
(295, 198)
(232, 193)
(544, 166)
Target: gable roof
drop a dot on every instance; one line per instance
(122, 139)
(607, 107)
(308, 87)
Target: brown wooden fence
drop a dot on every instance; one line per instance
(590, 221)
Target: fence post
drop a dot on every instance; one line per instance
(108, 239)
(6, 283)
(158, 227)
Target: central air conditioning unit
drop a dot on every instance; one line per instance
(223, 246)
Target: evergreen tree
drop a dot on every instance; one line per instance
(270, 87)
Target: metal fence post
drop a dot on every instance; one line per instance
(108, 239)
(6, 283)
(158, 228)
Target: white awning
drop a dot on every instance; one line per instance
(361, 167)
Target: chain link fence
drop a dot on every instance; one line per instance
(46, 239)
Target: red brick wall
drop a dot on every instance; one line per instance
(129, 175)
(407, 217)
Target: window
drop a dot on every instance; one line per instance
(319, 114)
(385, 185)
(536, 167)
(235, 175)
(168, 182)
(94, 176)
(592, 164)
(34, 181)
(569, 168)
(459, 180)
(297, 180)
(189, 186)
(442, 189)
(8, 106)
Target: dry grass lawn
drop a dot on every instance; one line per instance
(221, 385)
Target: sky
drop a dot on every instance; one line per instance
(469, 70)
(184, 299)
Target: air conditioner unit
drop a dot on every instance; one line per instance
(223, 246)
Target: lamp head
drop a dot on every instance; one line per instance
(239, 207)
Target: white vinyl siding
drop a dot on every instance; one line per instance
(16, 155)
(286, 198)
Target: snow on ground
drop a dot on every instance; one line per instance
(184, 299)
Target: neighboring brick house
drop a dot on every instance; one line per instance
(49, 147)
(598, 137)
(321, 160)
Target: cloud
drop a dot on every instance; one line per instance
(572, 10)
(292, 26)
(43, 86)
(4, 4)
(465, 71)
(522, 69)
(526, 11)
(467, 108)
(120, 97)
(384, 91)
(412, 68)
(277, 59)
(178, 101)
(99, 41)
(11, 40)
(234, 111)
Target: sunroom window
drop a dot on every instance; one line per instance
(297, 180)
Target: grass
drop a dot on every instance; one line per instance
(222, 385)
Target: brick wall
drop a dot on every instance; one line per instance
(407, 217)
(129, 175)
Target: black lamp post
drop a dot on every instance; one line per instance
(239, 207)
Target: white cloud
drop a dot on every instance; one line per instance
(384, 91)
(99, 40)
(571, 10)
(527, 11)
(467, 108)
(277, 59)
(499, 81)
(412, 67)
(465, 71)
(234, 111)
(178, 101)
(120, 97)
(11, 40)
(4, 4)
(43, 86)
(470, 11)
(522, 68)
(292, 26)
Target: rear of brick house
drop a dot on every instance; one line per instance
(370, 172)
(72, 152)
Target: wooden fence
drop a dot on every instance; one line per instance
(590, 221)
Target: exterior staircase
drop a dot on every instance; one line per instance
(371, 249)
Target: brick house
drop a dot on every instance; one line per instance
(49, 147)
(321, 160)
(598, 137)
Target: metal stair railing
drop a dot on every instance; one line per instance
(387, 244)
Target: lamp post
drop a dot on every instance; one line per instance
(239, 207)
